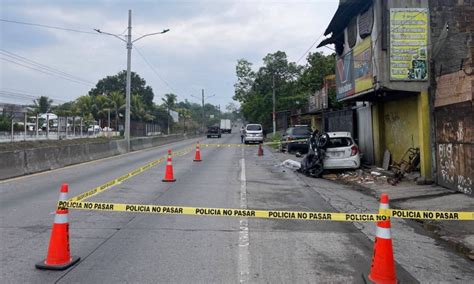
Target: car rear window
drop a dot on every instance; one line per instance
(301, 131)
(337, 142)
(254, 127)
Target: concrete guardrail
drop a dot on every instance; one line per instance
(24, 162)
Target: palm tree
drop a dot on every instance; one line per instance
(185, 114)
(169, 102)
(137, 110)
(43, 104)
(117, 101)
(84, 104)
(101, 107)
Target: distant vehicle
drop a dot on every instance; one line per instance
(341, 152)
(94, 129)
(213, 131)
(297, 132)
(253, 133)
(226, 126)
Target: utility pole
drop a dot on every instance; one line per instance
(274, 107)
(129, 43)
(129, 83)
(203, 114)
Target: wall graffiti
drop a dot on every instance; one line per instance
(446, 163)
(464, 185)
(455, 147)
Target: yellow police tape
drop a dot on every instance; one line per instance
(268, 214)
(110, 184)
(430, 215)
(250, 145)
(224, 212)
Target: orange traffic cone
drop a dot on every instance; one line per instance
(59, 257)
(382, 269)
(260, 150)
(169, 170)
(197, 157)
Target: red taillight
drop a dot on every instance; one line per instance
(354, 150)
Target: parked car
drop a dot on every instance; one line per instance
(213, 131)
(297, 132)
(253, 133)
(341, 152)
(94, 129)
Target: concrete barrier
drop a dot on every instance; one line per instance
(23, 162)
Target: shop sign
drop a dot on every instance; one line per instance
(344, 76)
(363, 65)
(408, 44)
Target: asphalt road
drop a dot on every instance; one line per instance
(130, 247)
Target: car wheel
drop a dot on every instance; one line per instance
(208, 136)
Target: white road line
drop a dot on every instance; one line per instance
(244, 260)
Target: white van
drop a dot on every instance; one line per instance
(253, 133)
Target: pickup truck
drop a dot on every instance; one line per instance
(213, 131)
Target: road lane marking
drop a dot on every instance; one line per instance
(101, 188)
(244, 241)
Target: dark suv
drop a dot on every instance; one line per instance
(295, 133)
(214, 131)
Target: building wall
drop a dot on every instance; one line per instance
(401, 126)
(453, 53)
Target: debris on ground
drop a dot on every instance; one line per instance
(291, 164)
(361, 176)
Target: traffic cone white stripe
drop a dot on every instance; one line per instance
(63, 196)
(383, 206)
(383, 233)
(60, 218)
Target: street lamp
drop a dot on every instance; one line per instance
(129, 43)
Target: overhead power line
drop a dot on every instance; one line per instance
(39, 67)
(15, 93)
(48, 26)
(309, 49)
(42, 66)
(154, 70)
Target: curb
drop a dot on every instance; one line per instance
(432, 228)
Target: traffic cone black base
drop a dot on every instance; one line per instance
(43, 266)
(168, 180)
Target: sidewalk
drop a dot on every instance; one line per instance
(458, 235)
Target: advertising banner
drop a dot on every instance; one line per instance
(363, 65)
(408, 44)
(344, 76)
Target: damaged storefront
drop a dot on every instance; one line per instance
(382, 64)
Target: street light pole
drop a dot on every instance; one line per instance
(127, 95)
(274, 107)
(129, 43)
(203, 114)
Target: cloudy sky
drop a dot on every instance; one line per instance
(200, 51)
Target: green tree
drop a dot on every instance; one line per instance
(84, 105)
(117, 83)
(169, 102)
(42, 104)
(117, 102)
